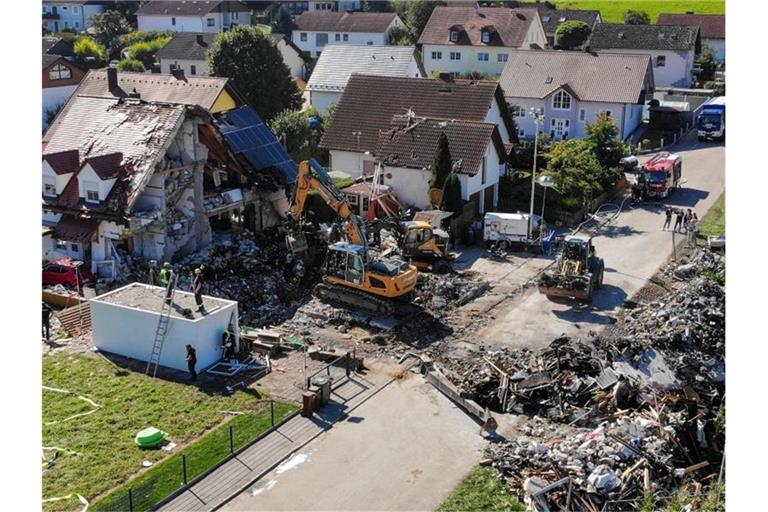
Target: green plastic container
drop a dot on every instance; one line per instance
(150, 437)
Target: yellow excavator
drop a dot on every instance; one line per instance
(423, 242)
(352, 276)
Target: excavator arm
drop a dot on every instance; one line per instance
(313, 176)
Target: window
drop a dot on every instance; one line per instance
(606, 113)
(518, 111)
(64, 8)
(661, 61)
(486, 36)
(211, 22)
(338, 37)
(352, 199)
(346, 37)
(582, 115)
(561, 101)
(77, 24)
(62, 246)
(173, 21)
(369, 43)
(91, 191)
(317, 53)
(366, 204)
(66, 24)
(482, 57)
(192, 69)
(321, 40)
(303, 36)
(455, 55)
(49, 187)
(454, 36)
(437, 55)
(502, 57)
(482, 170)
(235, 15)
(60, 72)
(74, 10)
(74, 247)
(521, 133)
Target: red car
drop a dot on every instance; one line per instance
(65, 272)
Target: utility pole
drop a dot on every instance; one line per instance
(537, 117)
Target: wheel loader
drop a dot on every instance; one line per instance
(578, 272)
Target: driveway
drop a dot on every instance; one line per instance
(406, 448)
(633, 247)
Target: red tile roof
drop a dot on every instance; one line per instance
(106, 167)
(75, 229)
(326, 21)
(63, 162)
(369, 103)
(508, 26)
(712, 25)
(413, 142)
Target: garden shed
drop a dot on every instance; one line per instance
(125, 321)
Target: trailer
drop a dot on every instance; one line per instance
(508, 230)
(711, 121)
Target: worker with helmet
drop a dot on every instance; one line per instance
(152, 273)
(197, 288)
(166, 278)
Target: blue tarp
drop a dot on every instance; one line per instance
(247, 135)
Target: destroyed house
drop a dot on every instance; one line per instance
(407, 151)
(152, 178)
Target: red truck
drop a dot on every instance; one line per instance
(662, 173)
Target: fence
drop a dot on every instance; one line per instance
(172, 476)
(337, 370)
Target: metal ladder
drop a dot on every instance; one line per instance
(161, 331)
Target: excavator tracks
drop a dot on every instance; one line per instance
(347, 297)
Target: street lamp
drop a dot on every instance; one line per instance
(546, 182)
(538, 117)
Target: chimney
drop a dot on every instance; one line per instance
(112, 78)
(200, 41)
(688, 12)
(178, 73)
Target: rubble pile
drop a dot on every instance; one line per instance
(257, 270)
(436, 292)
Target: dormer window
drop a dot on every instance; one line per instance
(454, 36)
(49, 186)
(486, 36)
(561, 101)
(91, 191)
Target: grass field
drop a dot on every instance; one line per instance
(481, 490)
(105, 454)
(713, 223)
(613, 11)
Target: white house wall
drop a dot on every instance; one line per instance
(349, 162)
(88, 175)
(201, 66)
(494, 116)
(130, 332)
(677, 68)
(360, 38)
(60, 180)
(321, 100)
(292, 59)
(410, 186)
(192, 23)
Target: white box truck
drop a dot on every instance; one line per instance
(508, 230)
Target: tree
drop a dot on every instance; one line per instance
(145, 51)
(109, 26)
(575, 168)
(257, 70)
(400, 36)
(442, 164)
(131, 65)
(451, 200)
(280, 20)
(707, 63)
(632, 17)
(417, 15)
(572, 34)
(603, 136)
(89, 54)
(291, 127)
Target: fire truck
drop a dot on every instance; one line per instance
(662, 173)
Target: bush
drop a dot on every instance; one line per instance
(572, 34)
(401, 36)
(143, 37)
(131, 65)
(89, 54)
(145, 52)
(707, 63)
(718, 87)
(633, 17)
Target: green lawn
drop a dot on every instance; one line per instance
(481, 490)
(106, 455)
(713, 223)
(613, 11)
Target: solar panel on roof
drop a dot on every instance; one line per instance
(247, 135)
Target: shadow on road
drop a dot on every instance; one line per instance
(687, 197)
(611, 231)
(608, 298)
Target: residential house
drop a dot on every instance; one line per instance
(60, 75)
(673, 48)
(193, 16)
(461, 40)
(371, 105)
(140, 165)
(75, 15)
(188, 51)
(407, 150)
(314, 30)
(338, 62)
(553, 18)
(340, 5)
(712, 28)
(573, 88)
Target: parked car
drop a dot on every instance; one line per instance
(67, 272)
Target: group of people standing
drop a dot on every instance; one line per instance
(686, 222)
(167, 278)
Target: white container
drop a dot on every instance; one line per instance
(125, 321)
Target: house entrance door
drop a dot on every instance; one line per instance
(560, 128)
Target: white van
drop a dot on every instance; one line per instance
(508, 229)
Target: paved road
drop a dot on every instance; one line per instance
(404, 449)
(633, 248)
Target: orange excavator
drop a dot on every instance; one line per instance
(353, 276)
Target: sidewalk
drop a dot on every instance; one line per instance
(238, 473)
